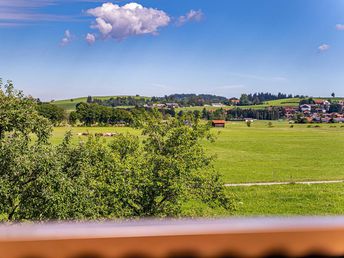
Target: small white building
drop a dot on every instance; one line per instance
(305, 108)
(217, 105)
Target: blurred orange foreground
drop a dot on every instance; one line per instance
(249, 237)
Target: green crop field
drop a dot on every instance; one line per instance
(267, 154)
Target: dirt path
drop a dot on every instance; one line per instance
(287, 183)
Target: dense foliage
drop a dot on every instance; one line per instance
(259, 98)
(55, 114)
(18, 114)
(181, 99)
(271, 113)
(191, 99)
(127, 178)
(120, 101)
(90, 114)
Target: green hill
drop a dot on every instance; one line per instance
(70, 104)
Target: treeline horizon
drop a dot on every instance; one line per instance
(190, 99)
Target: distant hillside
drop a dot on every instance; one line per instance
(291, 102)
(70, 104)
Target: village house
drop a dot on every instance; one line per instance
(217, 105)
(234, 101)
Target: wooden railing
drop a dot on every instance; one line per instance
(248, 237)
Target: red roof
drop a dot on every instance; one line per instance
(319, 101)
(218, 121)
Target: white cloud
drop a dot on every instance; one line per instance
(68, 37)
(120, 22)
(340, 26)
(192, 15)
(324, 47)
(90, 38)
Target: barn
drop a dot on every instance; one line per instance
(218, 123)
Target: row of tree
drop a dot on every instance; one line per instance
(240, 114)
(187, 99)
(259, 98)
(181, 99)
(120, 101)
(90, 114)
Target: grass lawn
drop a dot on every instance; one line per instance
(324, 199)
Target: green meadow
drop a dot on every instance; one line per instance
(289, 200)
(271, 153)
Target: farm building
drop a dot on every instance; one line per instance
(218, 123)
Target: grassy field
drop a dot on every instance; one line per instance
(286, 200)
(263, 154)
(280, 153)
(267, 154)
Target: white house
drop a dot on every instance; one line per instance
(305, 108)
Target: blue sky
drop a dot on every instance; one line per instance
(158, 47)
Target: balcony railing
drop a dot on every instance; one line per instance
(247, 237)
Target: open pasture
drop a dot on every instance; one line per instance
(279, 153)
(261, 153)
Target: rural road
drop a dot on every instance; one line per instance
(286, 183)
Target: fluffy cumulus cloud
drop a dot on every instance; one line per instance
(192, 15)
(90, 38)
(68, 37)
(340, 26)
(120, 22)
(324, 47)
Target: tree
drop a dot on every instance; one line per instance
(72, 118)
(89, 99)
(333, 95)
(156, 175)
(244, 100)
(54, 113)
(18, 113)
